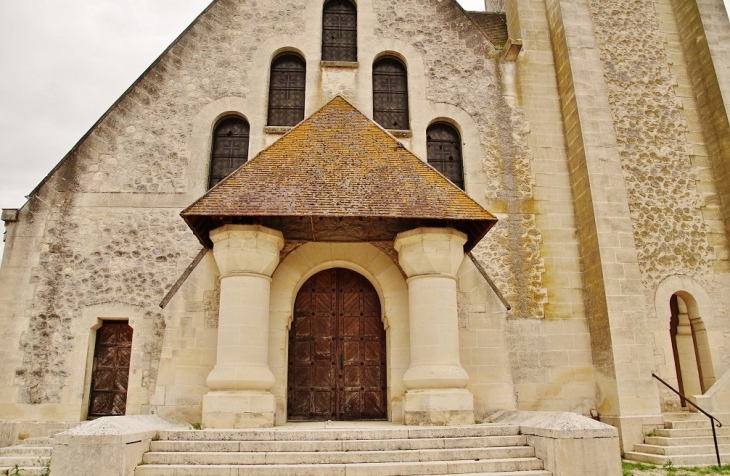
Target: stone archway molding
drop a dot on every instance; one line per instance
(692, 292)
(392, 289)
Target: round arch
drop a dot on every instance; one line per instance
(389, 283)
(684, 308)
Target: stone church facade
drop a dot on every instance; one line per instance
(524, 209)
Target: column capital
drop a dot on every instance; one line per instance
(427, 251)
(246, 249)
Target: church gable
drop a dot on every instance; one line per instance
(142, 143)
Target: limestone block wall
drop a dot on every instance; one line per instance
(676, 212)
(189, 346)
(676, 23)
(551, 358)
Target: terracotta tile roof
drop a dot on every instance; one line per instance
(493, 25)
(338, 176)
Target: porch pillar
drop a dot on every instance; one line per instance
(241, 381)
(435, 380)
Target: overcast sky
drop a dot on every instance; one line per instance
(63, 63)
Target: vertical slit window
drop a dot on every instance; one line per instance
(390, 94)
(443, 144)
(339, 31)
(230, 148)
(286, 90)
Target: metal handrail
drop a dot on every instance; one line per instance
(713, 421)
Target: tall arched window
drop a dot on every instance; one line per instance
(230, 148)
(286, 90)
(390, 93)
(443, 144)
(339, 31)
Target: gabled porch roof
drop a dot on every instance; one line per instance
(338, 176)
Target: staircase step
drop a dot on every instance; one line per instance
(677, 460)
(23, 461)
(680, 450)
(339, 434)
(337, 445)
(361, 469)
(345, 457)
(492, 450)
(32, 471)
(26, 451)
(539, 472)
(686, 415)
(686, 441)
(686, 424)
(689, 432)
(38, 441)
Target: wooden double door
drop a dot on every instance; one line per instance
(337, 361)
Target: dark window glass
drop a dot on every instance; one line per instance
(339, 31)
(444, 152)
(230, 148)
(286, 90)
(390, 94)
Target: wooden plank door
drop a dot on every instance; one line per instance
(110, 374)
(337, 368)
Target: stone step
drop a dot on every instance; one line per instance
(680, 450)
(687, 415)
(677, 460)
(690, 432)
(289, 434)
(686, 441)
(338, 445)
(23, 461)
(341, 457)
(686, 424)
(38, 441)
(33, 471)
(539, 472)
(26, 451)
(513, 465)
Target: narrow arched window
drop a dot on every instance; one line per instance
(443, 145)
(286, 90)
(230, 148)
(339, 31)
(390, 93)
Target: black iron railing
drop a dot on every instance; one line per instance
(713, 421)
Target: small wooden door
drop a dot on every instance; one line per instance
(110, 374)
(337, 368)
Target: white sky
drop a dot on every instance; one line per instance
(63, 63)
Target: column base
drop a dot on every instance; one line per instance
(439, 407)
(239, 409)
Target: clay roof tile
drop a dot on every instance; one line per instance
(334, 165)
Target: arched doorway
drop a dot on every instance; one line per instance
(337, 357)
(690, 346)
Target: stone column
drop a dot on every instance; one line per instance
(435, 380)
(241, 381)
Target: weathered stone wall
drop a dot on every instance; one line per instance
(672, 194)
(108, 241)
(96, 256)
(666, 209)
(472, 82)
(113, 235)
